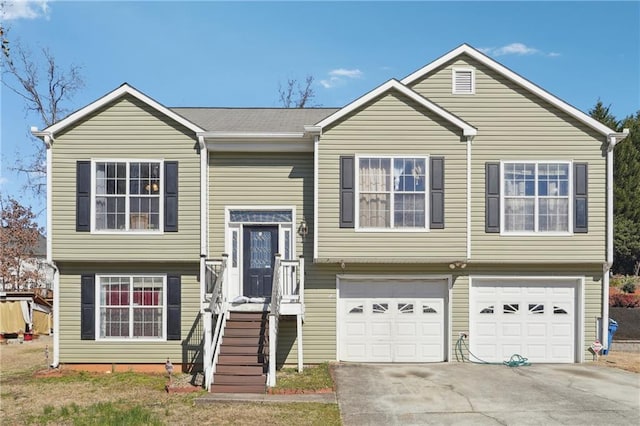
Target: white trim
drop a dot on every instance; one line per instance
(427, 189)
(394, 84)
(609, 186)
(536, 232)
(56, 315)
(123, 90)
(256, 145)
(251, 135)
(127, 230)
(447, 327)
(133, 339)
(204, 202)
(316, 175)
(47, 141)
(579, 305)
(240, 227)
(454, 72)
(501, 69)
(469, 141)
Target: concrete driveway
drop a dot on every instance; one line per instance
(457, 393)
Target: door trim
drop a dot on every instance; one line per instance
(343, 278)
(579, 305)
(233, 283)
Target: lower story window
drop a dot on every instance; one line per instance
(132, 307)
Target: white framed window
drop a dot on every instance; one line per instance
(131, 307)
(463, 81)
(536, 197)
(127, 195)
(392, 192)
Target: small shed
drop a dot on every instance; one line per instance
(25, 311)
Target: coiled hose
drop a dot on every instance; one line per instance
(516, 360)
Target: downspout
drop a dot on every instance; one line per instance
(613, 139)
(469, 141)
(48, 141)
(204, 222)
(316, 146)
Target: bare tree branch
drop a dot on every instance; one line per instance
(44, 87)
(295, 95)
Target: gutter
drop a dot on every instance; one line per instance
(204, 216)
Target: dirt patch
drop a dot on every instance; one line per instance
(629, 361)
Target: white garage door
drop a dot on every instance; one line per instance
(392, 321)
(534, 319)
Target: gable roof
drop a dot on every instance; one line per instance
(254, 120)
(124, 89)
(465, 49)
(393, 84)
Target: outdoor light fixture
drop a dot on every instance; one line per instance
(457, 264)
(303, 230)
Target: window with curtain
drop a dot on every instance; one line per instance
(392, 192)
(128, 195)
(131, 307)
(536, 197)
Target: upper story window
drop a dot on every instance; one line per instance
(131, 307)
(128, 195)
(463, 81)
(392, 192)
(536, 197)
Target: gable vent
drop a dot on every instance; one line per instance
(463, 81)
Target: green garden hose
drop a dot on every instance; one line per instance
(516, 360)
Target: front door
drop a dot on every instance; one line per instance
(260, 244)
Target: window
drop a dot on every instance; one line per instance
(536, 197)
(392, 192)
(127, 195)
(131, 307)
(463, 81)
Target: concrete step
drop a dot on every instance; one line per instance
(237, 389)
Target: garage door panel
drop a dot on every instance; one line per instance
(402, 321)
(535, 319)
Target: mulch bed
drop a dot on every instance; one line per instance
(628, 320)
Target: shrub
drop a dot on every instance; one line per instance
(629, 287)
(622, 300)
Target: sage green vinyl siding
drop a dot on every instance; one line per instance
(514, 124)
(392, 125)
(75, 350)
(125, 129)
(246, 180)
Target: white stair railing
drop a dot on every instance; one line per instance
(274, 317)
(217, 306)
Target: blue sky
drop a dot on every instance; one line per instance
(236, 53)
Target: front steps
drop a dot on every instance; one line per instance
(243, 360)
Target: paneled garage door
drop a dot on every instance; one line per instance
(392, 321)
(536, 319)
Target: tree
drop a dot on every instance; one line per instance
(296, 95)
(626, 176)
(44, 87)
(19, 235)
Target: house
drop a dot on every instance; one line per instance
(462, 200)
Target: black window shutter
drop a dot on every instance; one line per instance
(87, 302)
(492, 197)
(580, 201)
(171, 196)
(347, 192)
(436, 188)
(173, 307)
(83, 196)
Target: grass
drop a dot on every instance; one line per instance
(312, 378)
(77, 398)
